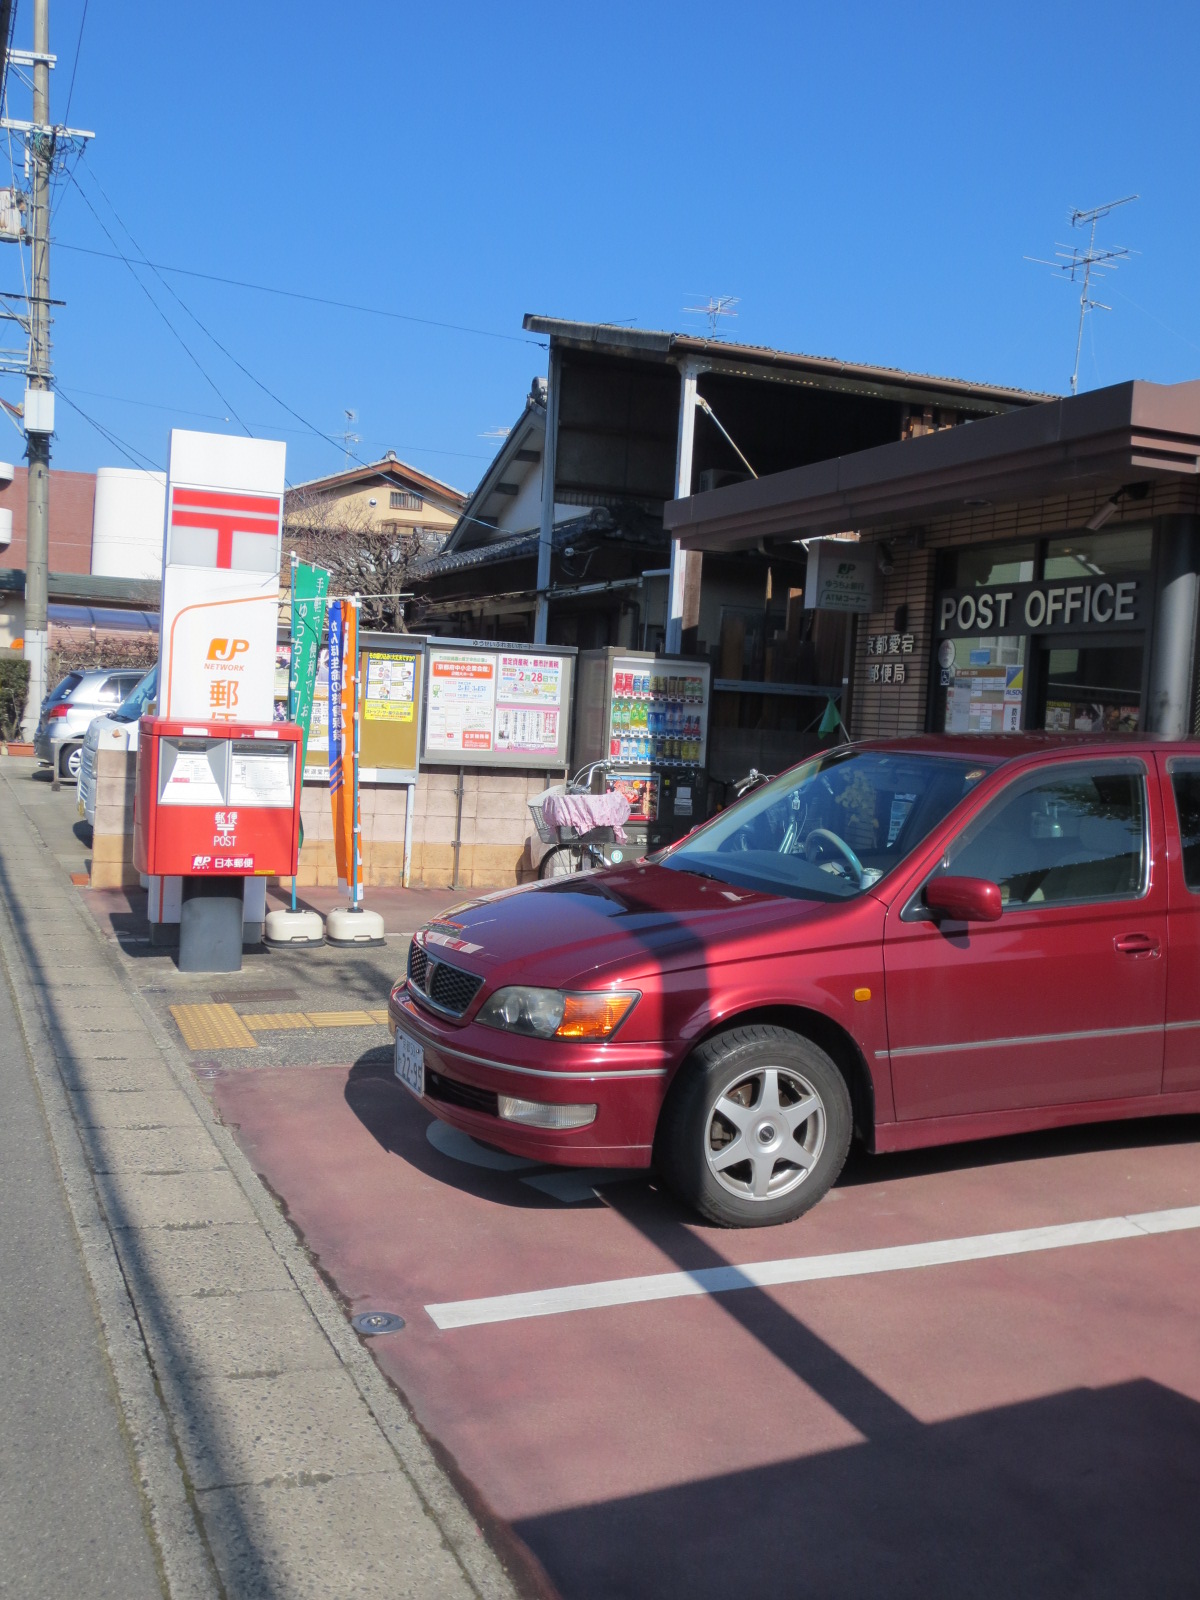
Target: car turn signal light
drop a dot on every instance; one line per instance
(593, 1016)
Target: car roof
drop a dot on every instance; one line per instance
(1001, 747)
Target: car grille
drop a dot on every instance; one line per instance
(447, 988)
(454, 1093)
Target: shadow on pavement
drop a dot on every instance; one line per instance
(1088, 1492)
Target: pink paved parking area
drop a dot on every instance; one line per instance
(1028, 1424)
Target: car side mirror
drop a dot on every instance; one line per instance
(964, 899)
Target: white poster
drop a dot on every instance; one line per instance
(462, 701)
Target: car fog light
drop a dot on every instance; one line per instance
(537, 1114)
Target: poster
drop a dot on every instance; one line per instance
(462, 702)
(391, 688)
(530, 680)
(521, 729)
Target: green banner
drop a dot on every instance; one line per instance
(310, 585)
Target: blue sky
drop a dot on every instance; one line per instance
(867, 178)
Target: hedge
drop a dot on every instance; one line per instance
(14, 686)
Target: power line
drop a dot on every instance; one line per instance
(128, 451)
(312, 299)
(213, 416)
(182, 341)
(225, 351)
(75, 67)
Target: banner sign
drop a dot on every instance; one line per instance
(310, 585)
(220, 594)
(343, 785)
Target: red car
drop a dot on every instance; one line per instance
(912, 941)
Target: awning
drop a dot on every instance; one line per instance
(1130, 433)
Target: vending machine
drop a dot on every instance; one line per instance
(646, 717)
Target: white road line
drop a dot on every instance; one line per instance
(804, 1269)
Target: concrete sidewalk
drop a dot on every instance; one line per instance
(273, 1457)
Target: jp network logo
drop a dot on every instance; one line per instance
(227, 649)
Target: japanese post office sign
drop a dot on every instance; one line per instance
(220, 600)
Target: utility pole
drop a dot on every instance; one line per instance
(39, 412)
(45, 143)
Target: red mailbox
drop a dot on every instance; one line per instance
(222, 799)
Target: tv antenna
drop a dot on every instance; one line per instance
(716, 307)
(348, 436)
(1082, 266)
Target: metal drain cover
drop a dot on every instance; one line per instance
(369, 1322)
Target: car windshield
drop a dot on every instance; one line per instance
(830, 828)
(137, 703)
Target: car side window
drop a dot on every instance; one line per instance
(1185, 783)
(1056, 837)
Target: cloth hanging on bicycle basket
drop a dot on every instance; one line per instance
(583, 812)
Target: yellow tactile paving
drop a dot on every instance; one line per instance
(340, 1019)
(212, 1027)
(263, 1022)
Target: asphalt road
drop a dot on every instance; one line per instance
(70, 1511)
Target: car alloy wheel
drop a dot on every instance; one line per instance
(755, 1127)
(765, 1133)
(69, 762)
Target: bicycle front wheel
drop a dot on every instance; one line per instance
(561, 862)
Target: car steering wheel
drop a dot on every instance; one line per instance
(820, 836)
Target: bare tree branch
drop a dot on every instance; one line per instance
(363, 558)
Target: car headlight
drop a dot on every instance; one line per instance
(556, 1013)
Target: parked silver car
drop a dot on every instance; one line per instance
(68, 709)
(118, 731)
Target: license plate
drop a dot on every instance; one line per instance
(410, 1063)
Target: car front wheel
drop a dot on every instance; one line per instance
(756, 1127)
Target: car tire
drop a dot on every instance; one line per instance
(779, 1097)
(69, 758)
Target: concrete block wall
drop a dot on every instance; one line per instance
(112, 832)
(498, 843)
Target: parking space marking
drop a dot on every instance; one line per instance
(212, 1027)
(805, 1269)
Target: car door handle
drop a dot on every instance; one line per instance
(1136, 944)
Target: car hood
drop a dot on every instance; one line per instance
(618, 923)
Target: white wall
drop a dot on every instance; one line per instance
(127, 524)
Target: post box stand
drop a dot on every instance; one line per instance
(215, 805)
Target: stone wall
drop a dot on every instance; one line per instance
(498, 843)
(112, 834)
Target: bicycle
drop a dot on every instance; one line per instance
(574, 851)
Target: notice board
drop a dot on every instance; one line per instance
(390, 710)
(497, 706)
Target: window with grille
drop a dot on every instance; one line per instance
(405, 500)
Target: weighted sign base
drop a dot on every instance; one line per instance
(347, 926)
(210, 925)
(293, 930)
